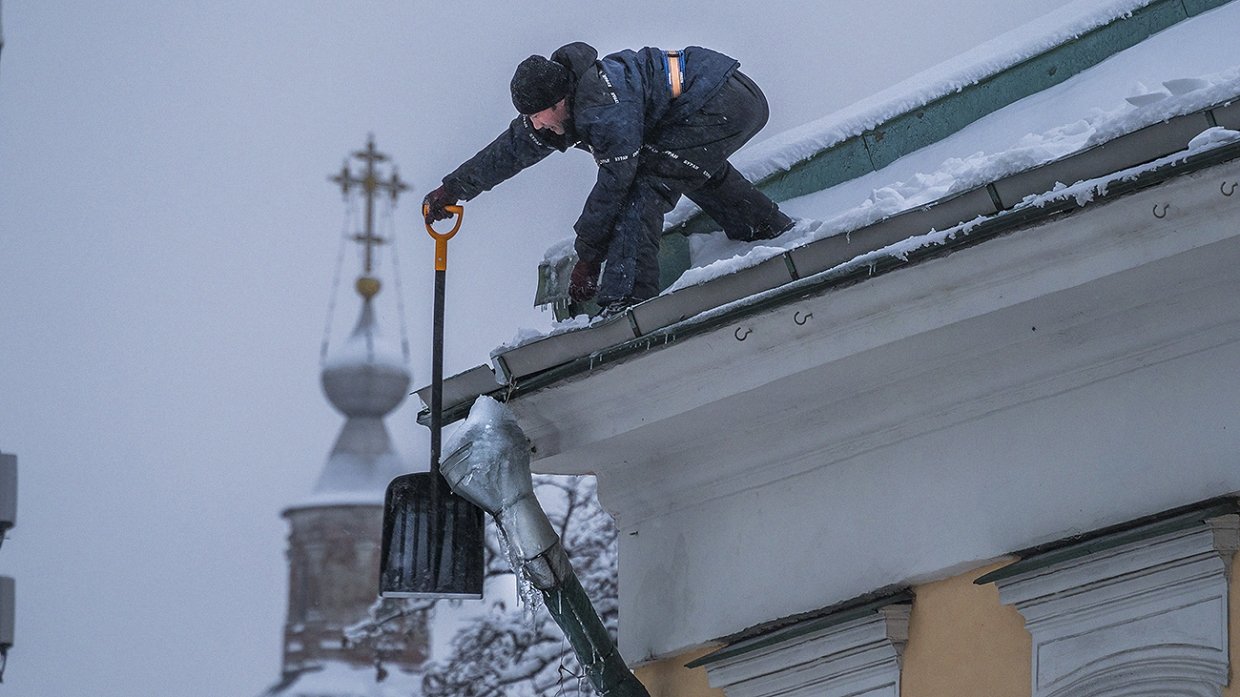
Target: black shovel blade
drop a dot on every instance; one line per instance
(433, 541)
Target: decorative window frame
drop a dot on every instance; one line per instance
(1143, 612)
(855, 652)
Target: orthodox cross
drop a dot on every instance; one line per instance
(371, 184)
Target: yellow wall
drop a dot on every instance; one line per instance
(964, 643)
(670, 677)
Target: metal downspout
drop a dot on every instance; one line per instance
(489, 465)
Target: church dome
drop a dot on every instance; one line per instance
(366, 375)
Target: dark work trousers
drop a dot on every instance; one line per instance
(690, 157)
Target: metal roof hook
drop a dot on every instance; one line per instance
(741, 337)
(796, 317)
(1226, 191)
(1162, 215)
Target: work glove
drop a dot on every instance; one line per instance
(583, 284)
(436, 201)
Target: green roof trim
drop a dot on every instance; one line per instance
(1196, 7)
(905, 133)
(908, 132)
(915, 129)
(941, 118)
(837, 615)
(1165, 523)
(837, 164)
(673, 259)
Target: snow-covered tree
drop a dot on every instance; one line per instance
(511, 651)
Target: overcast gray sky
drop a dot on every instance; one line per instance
(167, 240)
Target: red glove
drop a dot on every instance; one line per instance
(583, 284)
(436, 201)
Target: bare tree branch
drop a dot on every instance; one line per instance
(502, 654)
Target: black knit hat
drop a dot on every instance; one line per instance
(539, 84)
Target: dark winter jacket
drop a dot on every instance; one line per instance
(620, 103)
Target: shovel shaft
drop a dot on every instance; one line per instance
(441, 273)
(438, 486)
(437, 373)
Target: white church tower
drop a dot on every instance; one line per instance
(334, 533)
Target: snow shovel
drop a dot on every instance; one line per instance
(433, 540)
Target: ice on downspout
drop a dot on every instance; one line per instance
(528, 597)
(489, 465)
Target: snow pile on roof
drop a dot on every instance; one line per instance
(525, 335)
(1086, 191)
(1083, 192)
(1000, 53)
(925, 178)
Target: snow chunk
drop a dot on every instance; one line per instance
(561, 249)
(1212, 137)
(526, 335)
(487, 420)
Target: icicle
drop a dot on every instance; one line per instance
(528, 597)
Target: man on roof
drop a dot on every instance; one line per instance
(659, 124)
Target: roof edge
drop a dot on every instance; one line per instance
(1000, 223)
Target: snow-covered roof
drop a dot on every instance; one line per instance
(1098, 134)
(1049, 38)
